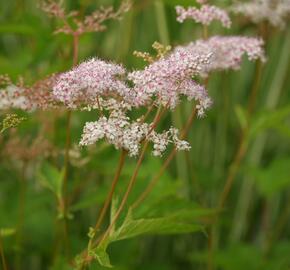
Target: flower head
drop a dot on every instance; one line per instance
(205, 15)
(228, 52)
(170, 77)
(95, 22)
(91, 79)
(12, 98)
(28, 98)
(120, 132)
(273, 11)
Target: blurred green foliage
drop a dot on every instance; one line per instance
(253, 231)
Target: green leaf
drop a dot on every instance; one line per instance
(165, 225)
(274, 178)
(4, 232)
(175, 223)
(102, 257)
(51, 178)
(269, 119)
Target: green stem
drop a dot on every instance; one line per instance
(66, 155)
(259, 144)
(3, 260)
(21, 214)
(85, 255)
(63, 203)
(176, 116)
(133, 178)
(64, 200)
(242, 148)
(155, 178)
(109, 197)
(234, 167)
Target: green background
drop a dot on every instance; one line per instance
(258, 209)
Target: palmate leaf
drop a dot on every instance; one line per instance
(175, 223)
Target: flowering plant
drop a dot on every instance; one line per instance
(101, 123)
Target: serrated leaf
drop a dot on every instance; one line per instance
(176, 223)
(164, 225)
(51, 178)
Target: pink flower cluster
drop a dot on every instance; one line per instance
(29, 98)
(273, 11)
(84, 83)
(170, 77)
(163, 81)
(205, 15)
(228, 52)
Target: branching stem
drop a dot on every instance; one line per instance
(109, 196)
(133, 178)
(155, 178)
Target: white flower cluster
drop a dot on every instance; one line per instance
(11, 97)
(118, 131)
(161, 141)
(273, 11)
